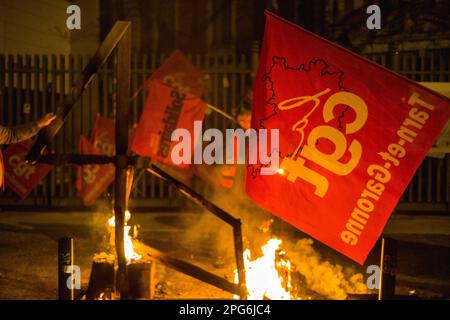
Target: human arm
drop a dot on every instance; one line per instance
(20, 133)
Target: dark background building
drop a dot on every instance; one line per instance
(227, 25)
(192, 25)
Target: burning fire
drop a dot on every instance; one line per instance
(130, 254)
(268, 276)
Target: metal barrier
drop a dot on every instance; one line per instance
(33, 85)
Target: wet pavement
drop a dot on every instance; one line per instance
(28, 255)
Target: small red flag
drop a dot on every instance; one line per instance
(178, 72)
(92, 179)
(165, 110)
(103, 135)
(352, 134)
(20, 176)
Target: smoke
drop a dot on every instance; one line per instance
(217, 233)
(210, 239)
(323, 277)
(99, 231)
(212, 235)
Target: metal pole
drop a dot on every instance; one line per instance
(65, 269)
(388, 265)
(255, 57)
(239, 255)
(222, 113)
(122, 110)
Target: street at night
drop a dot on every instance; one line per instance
(213, 158)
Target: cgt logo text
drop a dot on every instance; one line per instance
(309, 151)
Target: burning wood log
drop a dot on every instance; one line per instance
(190, 269)
(101, 281)
(141, 281)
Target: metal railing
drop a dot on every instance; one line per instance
(30, 86)
(429, 190)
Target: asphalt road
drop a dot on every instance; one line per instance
(28, 259)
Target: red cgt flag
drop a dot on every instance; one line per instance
(20, 176)
(165, 110)
(102, 142)
(178, 72)
(352, 134)
(92, 179)
(103, 135)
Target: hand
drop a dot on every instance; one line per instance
(46, 120)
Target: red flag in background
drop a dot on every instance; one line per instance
(103, 135)
(178, 72)
(92, 179)
(352, 134)
(20, 176)
(165, 110)
(102, 142)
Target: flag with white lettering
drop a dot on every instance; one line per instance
(178, 72)
(20, 176)
(92, 179)
(103, 135)
(352, 135)
(165, 110)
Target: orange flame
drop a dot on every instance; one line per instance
(130, 254)
(262, 276)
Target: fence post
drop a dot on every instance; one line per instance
(2, 88)
(65, 263)
(447, 181)
(255, 57)
(388, 265)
